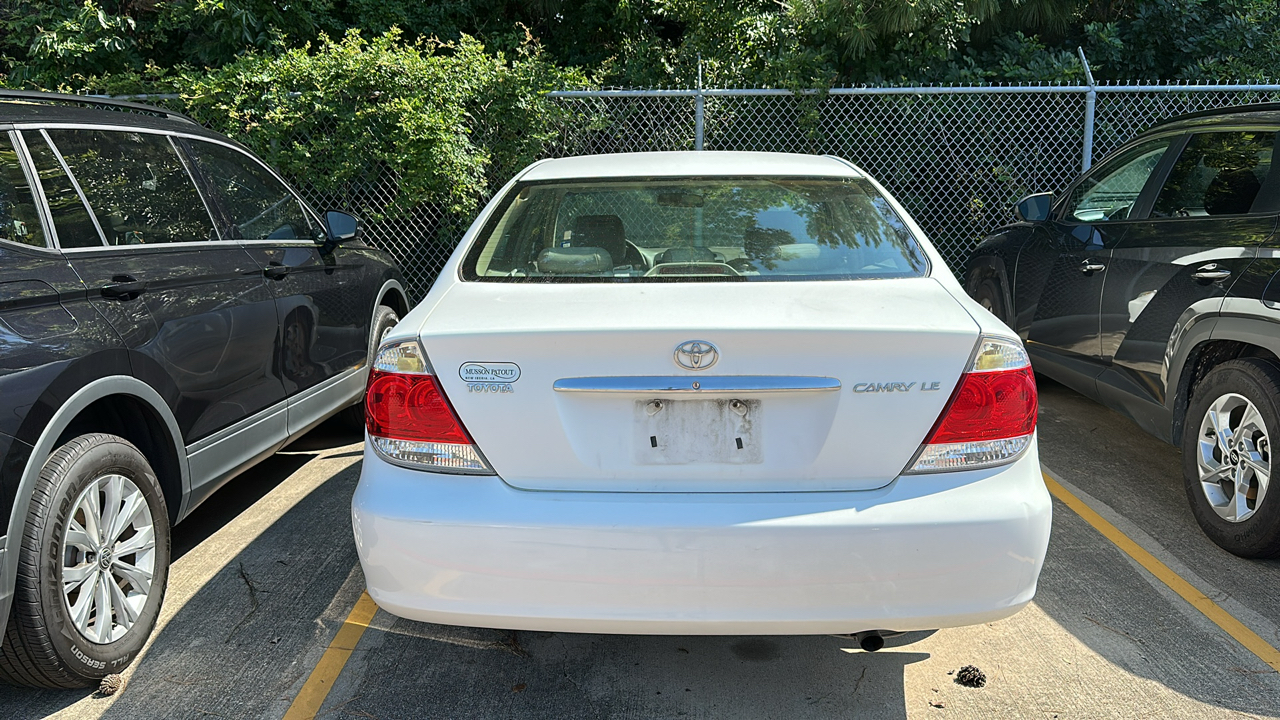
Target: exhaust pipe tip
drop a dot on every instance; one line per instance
(870, 641)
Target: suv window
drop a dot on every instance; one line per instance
(254, 203)
(1110, 192)
(136, 185)
(19, 219)
(1217, 174)
(71, 221)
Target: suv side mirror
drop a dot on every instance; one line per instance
(341, 226)
(1033, 208)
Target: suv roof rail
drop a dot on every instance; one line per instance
(98, 101)
(1213, 112)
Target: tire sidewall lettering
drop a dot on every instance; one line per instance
(94, 660)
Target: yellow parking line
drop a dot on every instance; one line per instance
(317, 687)
(320, 682)
(1233, 627)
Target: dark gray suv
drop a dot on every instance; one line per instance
(171, 312)
(1153, 286)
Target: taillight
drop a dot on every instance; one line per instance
(409, 419)
(990, 417)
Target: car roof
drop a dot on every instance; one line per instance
(694, 163)
(36, 108)
(1256, 114)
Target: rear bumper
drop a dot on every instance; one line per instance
(924, 552)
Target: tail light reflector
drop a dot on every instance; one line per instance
(990, 418)
(409, 418)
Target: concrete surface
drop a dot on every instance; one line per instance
(267, 572)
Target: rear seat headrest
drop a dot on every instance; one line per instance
(574, 260)
(601, 231)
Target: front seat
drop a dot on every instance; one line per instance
(602, 231)
(1231, 192)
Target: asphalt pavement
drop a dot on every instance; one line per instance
(266, 574)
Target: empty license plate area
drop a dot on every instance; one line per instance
(682, 432)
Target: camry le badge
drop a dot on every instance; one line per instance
(879, 387)
(696, 355)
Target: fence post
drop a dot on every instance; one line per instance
(698, 122)
(699, 119)
(1090, 107)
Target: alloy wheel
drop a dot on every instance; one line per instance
(1234, 457)
(108, 558)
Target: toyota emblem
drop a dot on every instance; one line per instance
(696, 355)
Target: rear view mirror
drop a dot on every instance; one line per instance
(342, 227)
(680, 199)
(1033, 208)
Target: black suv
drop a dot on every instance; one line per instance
(170, 314)
(1152, 286)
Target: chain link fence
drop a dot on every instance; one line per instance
(956, 157)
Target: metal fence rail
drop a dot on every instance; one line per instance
(956, 157)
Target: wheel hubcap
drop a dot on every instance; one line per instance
(1234, 457)
(108, 558)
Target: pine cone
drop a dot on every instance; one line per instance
(111, 684)
(971, 676)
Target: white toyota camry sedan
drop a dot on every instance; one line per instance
(700, 393)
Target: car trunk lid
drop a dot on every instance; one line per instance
(828, 385)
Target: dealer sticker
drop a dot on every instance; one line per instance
(489, 377)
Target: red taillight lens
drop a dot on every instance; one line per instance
(410, 407)
(989, 406)
(409, 419)
(990, 418)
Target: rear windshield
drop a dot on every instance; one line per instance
(701, 229)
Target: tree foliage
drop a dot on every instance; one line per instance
(436, 115)
(447, 95)
(659, 42)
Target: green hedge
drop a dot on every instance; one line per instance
(444, 118)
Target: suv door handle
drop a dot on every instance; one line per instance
(123, 287)
(276, 272)
(1211, 272)
(1091, 266)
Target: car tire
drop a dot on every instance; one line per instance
(383, 320)
(1239, 401)
(986, 291)
(82, 486)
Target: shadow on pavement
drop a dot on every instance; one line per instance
(1095, 591)
(232, 499)
(221, 508)
(332, 433)
(243, 642)
(235, 647)
(407, 669)
(241, 645)
(249, 487)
